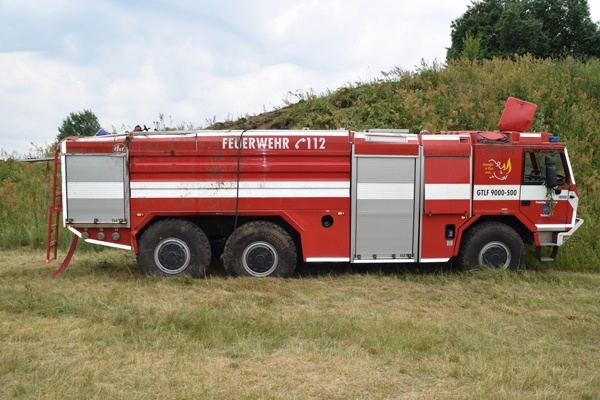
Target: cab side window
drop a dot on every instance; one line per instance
(534, 167)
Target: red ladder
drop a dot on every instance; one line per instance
(54, 212)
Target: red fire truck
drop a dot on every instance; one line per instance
(265, 200)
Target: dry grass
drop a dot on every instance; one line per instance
(103, 331)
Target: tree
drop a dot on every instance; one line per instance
(84, 123)
(542, 28)
(471, 47)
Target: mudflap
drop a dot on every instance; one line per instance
(67, 259)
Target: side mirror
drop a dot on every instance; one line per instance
(551, 178)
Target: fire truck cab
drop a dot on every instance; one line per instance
(264, 200)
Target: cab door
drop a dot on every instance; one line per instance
(548, 208)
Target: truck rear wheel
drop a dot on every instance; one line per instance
(260, 249)
(174, 247)
(491, 244)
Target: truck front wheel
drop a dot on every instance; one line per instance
(491, 244)
(174, 247)
(260, 249)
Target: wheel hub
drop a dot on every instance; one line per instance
(172, 256)
(495, 254)
(260, 259)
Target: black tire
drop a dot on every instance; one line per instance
(491, 244)
(174, 247)
(260, 249)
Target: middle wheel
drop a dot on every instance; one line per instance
(260, 249)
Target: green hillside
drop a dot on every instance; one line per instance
(471, 95)
(463, 95)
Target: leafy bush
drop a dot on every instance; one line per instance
(25, 192)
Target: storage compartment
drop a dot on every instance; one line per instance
(96, 190)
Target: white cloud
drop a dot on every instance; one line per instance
(128, 61)
(37, 94)
(35, 7)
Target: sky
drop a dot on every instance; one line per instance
(195, 61)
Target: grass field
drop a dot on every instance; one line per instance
(101, 330)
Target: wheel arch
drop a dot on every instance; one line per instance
(509, 220)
